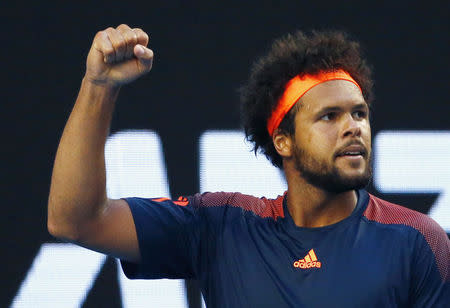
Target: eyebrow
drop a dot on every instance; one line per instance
(336, 108)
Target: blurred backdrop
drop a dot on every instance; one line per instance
(176, 130)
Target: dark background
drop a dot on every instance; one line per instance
(203, 51)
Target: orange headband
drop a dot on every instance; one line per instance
(296, 88)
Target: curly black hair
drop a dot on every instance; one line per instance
(295, 54)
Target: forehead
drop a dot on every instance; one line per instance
(333, 93)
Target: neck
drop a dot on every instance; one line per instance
(314, 207)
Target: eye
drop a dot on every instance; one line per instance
(328, 116)
(360, 114)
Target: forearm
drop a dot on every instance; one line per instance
(78, 185)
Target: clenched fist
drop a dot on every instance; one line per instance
(118, 56)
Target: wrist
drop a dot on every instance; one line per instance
(98, 92)
(100, 84)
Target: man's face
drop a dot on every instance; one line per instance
(332, 142)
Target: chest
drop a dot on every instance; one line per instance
(262, 265)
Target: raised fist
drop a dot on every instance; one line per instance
(118, 56)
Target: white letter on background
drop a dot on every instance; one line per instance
(227, 163)
(135, 167)
(61, 276)
(415, 162)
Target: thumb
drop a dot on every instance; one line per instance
(144, 56)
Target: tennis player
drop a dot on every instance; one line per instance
(325, 242)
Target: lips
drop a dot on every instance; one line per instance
(352, 150)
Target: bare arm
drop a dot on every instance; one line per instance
(78, 208)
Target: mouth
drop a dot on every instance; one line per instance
(355, 151)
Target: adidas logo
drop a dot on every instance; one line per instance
(309, 261)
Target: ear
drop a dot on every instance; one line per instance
(283, 143)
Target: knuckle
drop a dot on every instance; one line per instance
(132, 34)
(123, 26)
(133, 39)
(128, 35)
(138, 31)
(122, 43)
(108, 50)
(109, 32)
(100, 35)
(141, 36)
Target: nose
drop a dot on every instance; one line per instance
(351, 127)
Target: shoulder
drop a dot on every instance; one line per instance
(262, 207)
(387, 213)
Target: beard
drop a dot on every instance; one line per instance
(329, 177)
